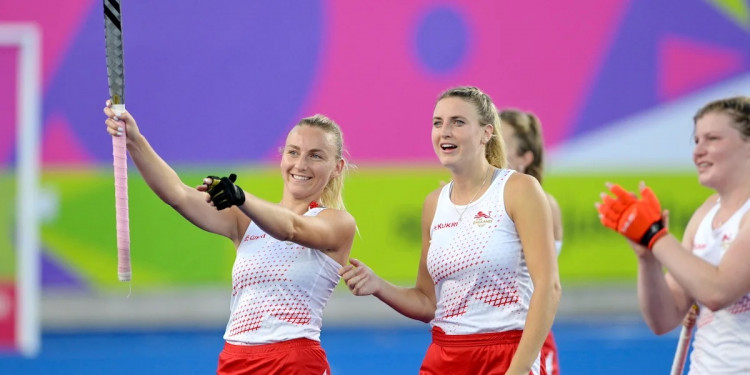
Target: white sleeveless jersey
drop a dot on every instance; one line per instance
(279, 289)
(722, 338)
(482, 284)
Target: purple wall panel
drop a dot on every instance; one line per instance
(223, 82)
(8, 68)
(207, 82)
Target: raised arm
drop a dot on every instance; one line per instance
(165, 182)
(331, 231)
(530, 210)
(416, 302)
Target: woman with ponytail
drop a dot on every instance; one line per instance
(288, 253)
(487, 280)
(522, 133)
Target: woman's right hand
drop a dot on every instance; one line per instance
(360, 279)
(642, 251)
(119, 125)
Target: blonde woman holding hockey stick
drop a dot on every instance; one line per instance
(288, 253)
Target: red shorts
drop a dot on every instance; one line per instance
(549, 355)
(484, 353)
(298, 356)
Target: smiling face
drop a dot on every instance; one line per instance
(457, 135)
(308, 162)
(720, 153)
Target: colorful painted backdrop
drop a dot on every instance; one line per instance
(216, 85)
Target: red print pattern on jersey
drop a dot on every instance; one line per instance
(497, 288)
(274, 294)
(706, 317)
(490, 289)
(742, 306)
(466, 273)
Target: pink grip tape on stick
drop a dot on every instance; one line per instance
(119, 152)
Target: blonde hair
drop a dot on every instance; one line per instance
(494, 150)
(332, 195)
(528, 132)
(737, 107)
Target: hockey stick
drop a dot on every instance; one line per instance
(683, 344)
(116, 81)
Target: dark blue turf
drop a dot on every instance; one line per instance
(600, 347)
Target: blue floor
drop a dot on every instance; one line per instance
(603, 347)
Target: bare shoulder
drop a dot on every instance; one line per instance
(341, 216)
(522, 192)
(521, 181)
(430, 204)
(432, 197)
(710, 202)
(553, 204)
(695, 220)
(342, 220)
(520, 185)
(701, 212)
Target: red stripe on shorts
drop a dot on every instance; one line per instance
(273, 347)
(439, 337)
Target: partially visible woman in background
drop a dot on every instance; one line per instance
(522, 133)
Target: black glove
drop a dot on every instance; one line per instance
(224, 193)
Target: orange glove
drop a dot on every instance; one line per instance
(637, 219)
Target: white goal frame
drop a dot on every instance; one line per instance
(27, 38)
